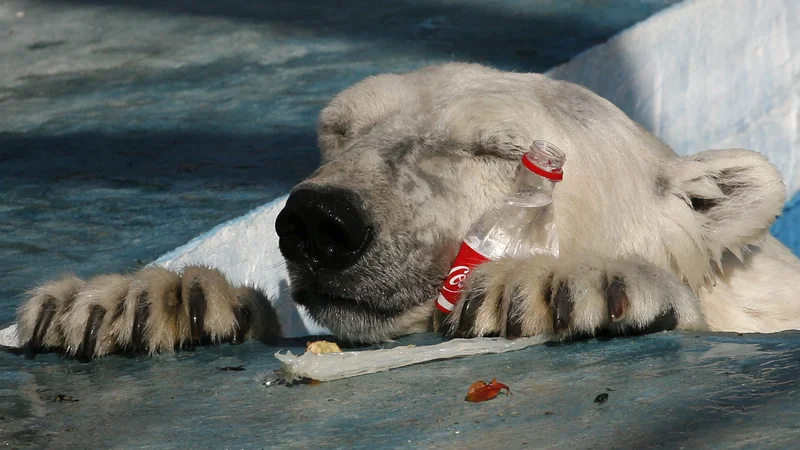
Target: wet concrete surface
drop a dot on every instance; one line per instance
(669, 390)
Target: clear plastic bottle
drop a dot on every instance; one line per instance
(522, 224)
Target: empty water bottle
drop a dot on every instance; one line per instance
(522, 224)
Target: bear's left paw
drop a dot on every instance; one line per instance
(572, 298)
(150, 311)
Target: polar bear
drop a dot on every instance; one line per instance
(649, 240)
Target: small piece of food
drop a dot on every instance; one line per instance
(479, 391)
(321, 347)
(601, 398)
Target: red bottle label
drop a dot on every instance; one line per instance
(466, 260)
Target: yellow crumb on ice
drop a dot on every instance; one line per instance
(320, 347)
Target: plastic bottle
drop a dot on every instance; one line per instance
(522, 224)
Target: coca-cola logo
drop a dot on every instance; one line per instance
(455, 279)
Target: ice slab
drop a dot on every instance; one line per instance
(706, 74)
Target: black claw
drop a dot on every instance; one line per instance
(242, 324)
(514, 321)
(86, 350)
(140, 318)
(469, 311)
(666, 321)
(46, 315)
(119, 309)
(197, 311)
(616, 299)
(561, 303)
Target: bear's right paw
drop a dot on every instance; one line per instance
(150, 311)
(572, 297)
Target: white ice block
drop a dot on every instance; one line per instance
(706, 74)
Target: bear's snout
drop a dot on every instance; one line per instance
(324, 228)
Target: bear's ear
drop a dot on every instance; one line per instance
(334, 127)
(736, 194)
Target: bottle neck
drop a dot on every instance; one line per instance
(530, 189)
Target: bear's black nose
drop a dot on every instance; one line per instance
(323, 228)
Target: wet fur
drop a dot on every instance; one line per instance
(645, 235)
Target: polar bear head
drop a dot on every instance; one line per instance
(410, 161)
